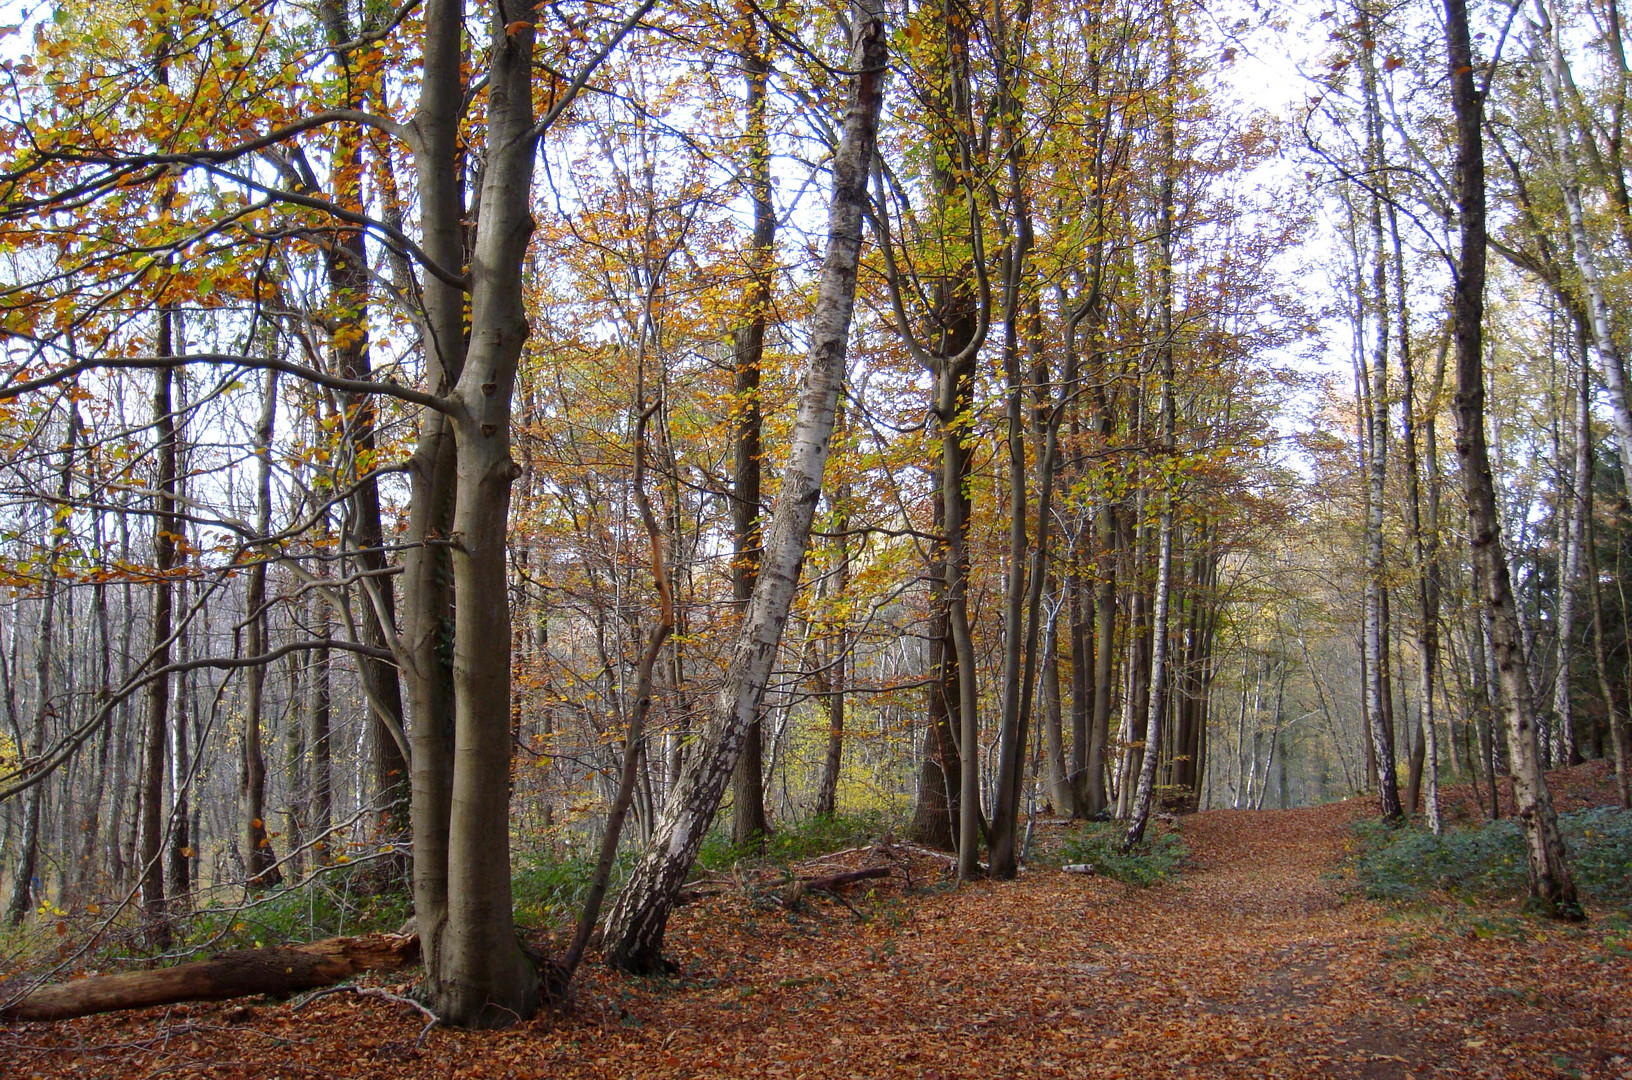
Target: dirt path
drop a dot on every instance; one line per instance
(1251, 965)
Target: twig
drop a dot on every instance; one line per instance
(431, 1019)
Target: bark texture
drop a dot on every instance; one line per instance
(633, 940)
(281, 969)
(1551, 888)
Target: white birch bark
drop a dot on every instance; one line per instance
(633, 938)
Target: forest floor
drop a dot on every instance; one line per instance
(1256, 961)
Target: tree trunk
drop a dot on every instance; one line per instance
(1614, 715)
(827, 792)
(940, 776)
(346, 259)
(151, 831)
(635, 927)
(1424, 541)
(1551, 887)
(635, 733)
(1378, 692)
(427, 572)
(748, 823)
(260, 864)
(178, 883)
(1565, 750)
(28, 850)
(1553, 74)
(482, 977)
(279, 970)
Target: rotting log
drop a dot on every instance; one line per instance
(838, 881)
(276, 970)
(831, 883)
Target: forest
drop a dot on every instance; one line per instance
(486, 485)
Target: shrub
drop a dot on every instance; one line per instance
(1099, 844)
(1408, 863)
(796, 841)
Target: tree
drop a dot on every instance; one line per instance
(1551, 886)
(633, 939)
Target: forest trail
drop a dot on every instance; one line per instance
(1252, 964)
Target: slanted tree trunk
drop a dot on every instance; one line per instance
(635, 927)
(1019, 637)
(346, 267)
(1551, 887)
(1553, 73)
(635, 733)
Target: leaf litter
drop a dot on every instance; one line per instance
(1255, 962)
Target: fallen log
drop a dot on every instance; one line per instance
(839, 881)
(276, 970)
(831, 883)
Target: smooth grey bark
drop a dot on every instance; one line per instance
(1552, 889)
(940, 776)
(633, 939)
(484, 979)
(427, 575)
(1019, 640)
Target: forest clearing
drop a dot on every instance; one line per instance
(1257, 961)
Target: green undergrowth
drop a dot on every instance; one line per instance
(1099, 844)
(795, 841)
(1487, 862)
(339, 902)
(550, 891)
